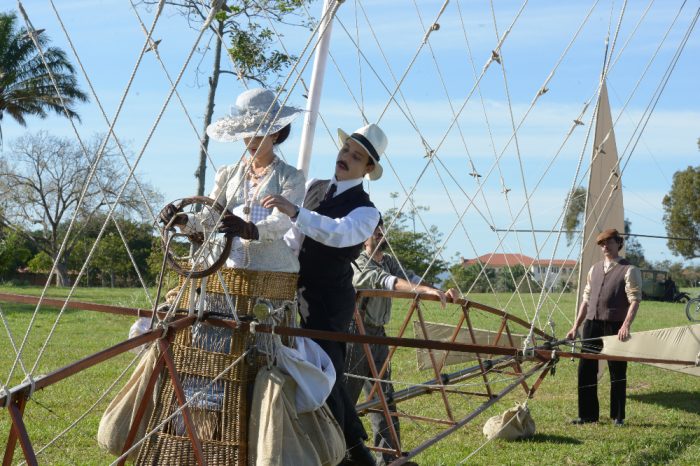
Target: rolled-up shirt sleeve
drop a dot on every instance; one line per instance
(369, 274)
(633, 284)
(342, 232)
(587, 290)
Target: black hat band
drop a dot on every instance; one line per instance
(367, 145)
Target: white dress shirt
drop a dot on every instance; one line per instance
(342, 232)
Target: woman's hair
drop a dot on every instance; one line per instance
(283, 134)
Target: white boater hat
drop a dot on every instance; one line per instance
(373, 140)
(257, 113)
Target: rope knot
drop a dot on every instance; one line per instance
(528, 350)
(162, 325)
(32, 385)
(8, 396)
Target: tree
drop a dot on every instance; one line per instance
(509, 280)
(14, 252)
(41, 263)
(251, 48)
(415, 250)
(682, 213)
(26, 87)
(574, 212)
(633, 249)
(43, 182)
(471, 278)
(110, 262)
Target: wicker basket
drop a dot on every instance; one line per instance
(223, 430)
(247, 285)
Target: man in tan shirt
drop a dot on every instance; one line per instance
(610, 303)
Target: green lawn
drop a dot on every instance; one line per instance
(663, 425)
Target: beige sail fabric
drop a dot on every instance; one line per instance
(676, 343)
(514, 424)
(279, 436)
(444, 332)
(117, 418)
(604, 206)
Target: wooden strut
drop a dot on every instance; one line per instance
(18, 432)
(465, 312)
(516, 364)
(436, 370)
(394, 342)
(376, 387)
(392, 350)
(426, 387)
(182, 400)
(141, 410)
(545, 354)
(94, 359)
(458, 425)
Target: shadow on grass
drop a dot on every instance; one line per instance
(558, 439)
(683, 400)
(666, 452)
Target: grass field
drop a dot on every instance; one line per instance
(663, 411)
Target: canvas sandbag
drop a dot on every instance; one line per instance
(279, 436)
(514, 424)
(312, 370)
(117, 418)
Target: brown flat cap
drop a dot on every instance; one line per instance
(606, 235)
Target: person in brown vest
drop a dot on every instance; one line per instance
(610, 302)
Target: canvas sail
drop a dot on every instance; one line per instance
(445, 332)
(604, 208)
(677, 343)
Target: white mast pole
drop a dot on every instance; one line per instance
(315, 89)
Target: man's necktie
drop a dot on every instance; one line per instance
(331, 192)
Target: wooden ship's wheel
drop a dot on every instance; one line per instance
(190, 260)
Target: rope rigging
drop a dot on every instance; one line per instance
(435, 168)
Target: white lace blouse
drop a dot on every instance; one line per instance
(269, 252)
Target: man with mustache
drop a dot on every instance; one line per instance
(329, 230)
(376, 269)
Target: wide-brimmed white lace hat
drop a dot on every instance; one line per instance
(373, 140)
(256, 113)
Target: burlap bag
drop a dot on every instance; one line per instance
(117, 418)
(514, 424)
(279, 436)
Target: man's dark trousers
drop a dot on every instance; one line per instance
(588, 407)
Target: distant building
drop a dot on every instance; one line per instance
(536, 268)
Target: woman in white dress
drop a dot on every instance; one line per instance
(257, 231)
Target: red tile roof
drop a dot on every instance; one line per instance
(505, 260)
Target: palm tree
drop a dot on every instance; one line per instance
(26, 87)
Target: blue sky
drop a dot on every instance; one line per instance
(108, 39)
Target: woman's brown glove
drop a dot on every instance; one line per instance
(170, 211)
(232, 225)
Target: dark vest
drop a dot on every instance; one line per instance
(608, 300)
(325, 266)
